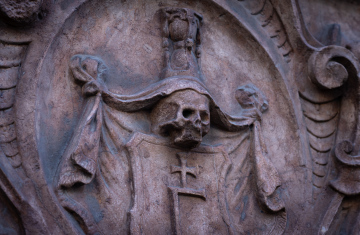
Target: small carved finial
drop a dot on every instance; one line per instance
(181, 41)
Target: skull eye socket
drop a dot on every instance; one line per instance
(187, 113)
(204, 116)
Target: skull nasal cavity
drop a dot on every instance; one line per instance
(187, 113)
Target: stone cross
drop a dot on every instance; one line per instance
(183, 169)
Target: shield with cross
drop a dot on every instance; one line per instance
(177, 192)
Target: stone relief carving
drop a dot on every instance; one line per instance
(269, 19)
(13, 181)
(178, 117)
(181, 112)
(334, 70)
(10, 64)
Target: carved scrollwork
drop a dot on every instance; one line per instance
(321, 119)
(349, 170)
(177, 117)
(329, 67)
(346, 183)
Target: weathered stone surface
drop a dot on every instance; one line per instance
(179, 117)
(20, 12)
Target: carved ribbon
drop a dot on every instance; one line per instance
(84, 149)
(80, 158)
(267, 178)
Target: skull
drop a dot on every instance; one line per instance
(184, 117)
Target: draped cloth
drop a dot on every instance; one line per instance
(80, 162)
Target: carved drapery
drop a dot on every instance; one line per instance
(116, 116)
